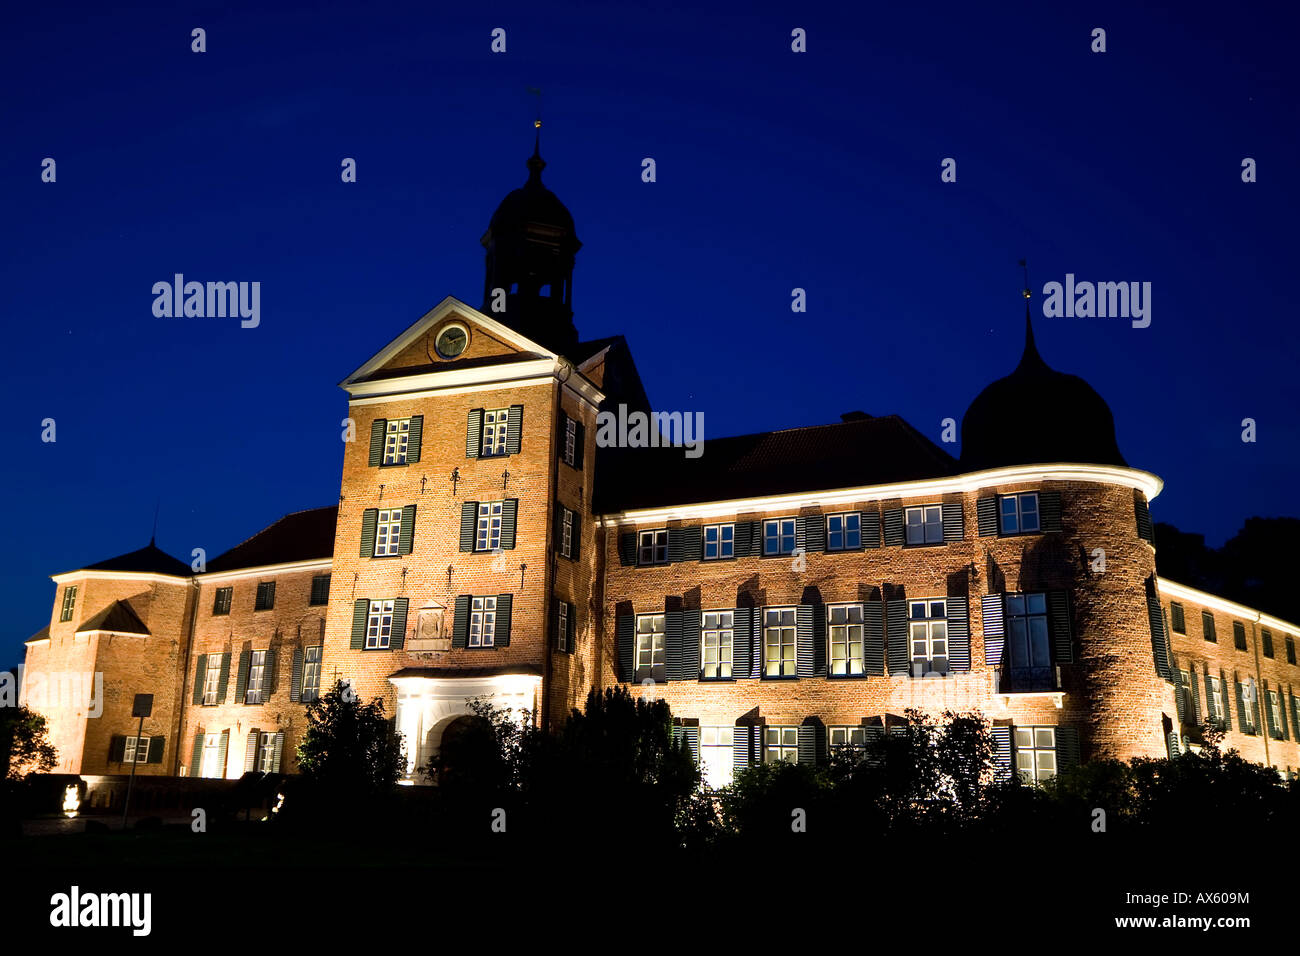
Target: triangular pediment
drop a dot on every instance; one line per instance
(415, 351)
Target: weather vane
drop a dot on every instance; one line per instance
(1026, 268)
(537, 122)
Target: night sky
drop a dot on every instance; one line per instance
(776, 170)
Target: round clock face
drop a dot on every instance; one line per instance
(451, 341)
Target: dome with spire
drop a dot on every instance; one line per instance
(1037, 415)
(532, 202)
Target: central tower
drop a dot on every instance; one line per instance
(531, 245)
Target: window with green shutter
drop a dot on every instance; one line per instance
(265, 596)
(1207, 627)
(1266, 642)
(1239, 635)
(1176, 619)
(221, 601)
(320, 589)
(69, 602)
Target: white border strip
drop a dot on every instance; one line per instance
(1175, 590)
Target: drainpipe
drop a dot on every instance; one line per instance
(185, 676)
(548, 592)
(1259, 693)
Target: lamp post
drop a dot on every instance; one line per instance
(142, 708)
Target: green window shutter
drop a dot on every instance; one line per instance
(573, 629)
(1283, 733)
(200, 676)
(1255, 705)
(575, 543)
(627, 548)
(676, 546)
(509, 518)
(1209, 697)
(397, 638)
(505, 605)
(803, 646)
(360, 611)
(579, 445)
(473, 432)
(514, 429)
(1195, 690)
(414, 437)
(814, 531)
(1159, 640)
(279, 752)
(986, 515)
(1177, 619)
(958, 634)
(1225, 689)
(893, 527)
(954, 526)
(223, 678)
(1049, 511)
(1067, 748)
(269, 671)
(406, 537)
(156, 747)
(377, 429)
(241, 680)
(1207, 627)
(871, 529)
(689, 669)
(1058, 616)
(991, 612)
(1241, 708)
(1180, 695)
(196, 755)
(460, 623)
(806, 739)
(250, 750)
(369, 518)
(673, 645)
(1001, 752)
(740, 747)
(896, 632)
(295, 676)
(873, 618)
(468, 522)
(1142, 513)
(819, 640)
(116, 748)
(625, 643)
(221, 753)
(741, 641)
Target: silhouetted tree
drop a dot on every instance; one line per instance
(349, 747)
(24, 745)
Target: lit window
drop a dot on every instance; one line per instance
(717, 757)
(566, 532)
(1031, 662)
(782, 743)
(137, 750)
(846, 739)
(779, 642)
(1216, 701)
(266, 753)
(388, 532)
(1036, 753)
(256, 691)
(488, 536)
(395, 436)
(844, 621)
(928, 627)
(69, 602)
(652, 547)
(379, 625)
(649, 646)
(211, 760)
(211, 677)
(719, 541)
(570, 440)
(562, 625)
(778, 536)
(1019, 513)
(924, 524)
(843, 532)
(483, 621)
(716, 636)
(1275, 712)
(494, 432)
(311, 674)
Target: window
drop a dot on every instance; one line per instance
(221, 602)
(778, 537)
(266, 753)
(1036, 753)
(782, 743)
(1248, 711)
(844, 532)
(847, 739)
(1275, 713)
(1019, 513)
(379, 625)
(650, 646)
(211, 679)
(137, 750)
(566, 532)
(1239, 635)
(320, 589)
(1290, 649)
(1266, 639)
(256, 692)
(1031, 662)
(488, 535)
(652, 547)
(211, 760)
(844, 623)
(779, 642)
(928, 627)
(1189, 699)
(494, 432)
(716, 635)
(1207, 627)
(395, 437)
(69, 602)
(562, 625)
(570, 441)
(1216, 700)
(483, 621)
(924, 524)
(265, 596)
(719, 541)
(311, 674)
(1176, 620)
(717, 757)
(388, 531)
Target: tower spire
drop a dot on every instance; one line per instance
(1030, 357)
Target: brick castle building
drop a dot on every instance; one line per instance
(786, 592)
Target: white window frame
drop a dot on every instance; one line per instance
(210, 755)
(1216, 697)
(311, 673)
(388, 532)
(845, 633)
(482, 621)
(781, 743)
(396, 435)
(717, 641)
(1275, 710)
(1028, 617)
(570, 441)
(1036, 760)
(850, 737)
(255, 692)
(566, 532)
(562, 624)
(724, 541)
(652, 547)
(844, 531)
(930, 631)
(717, 754)
(776, 530)
(925, 525)
(266, 752)
(69, 602)
(649, 660)
(1019, 513)
(492, 443)
(379, 625)
(211, 680)
(487, 529)
(780, 623)
(133, 753)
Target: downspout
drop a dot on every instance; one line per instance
(1264, 715)
(548, 592)
(185, 676)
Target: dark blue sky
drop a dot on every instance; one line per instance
(775, 170)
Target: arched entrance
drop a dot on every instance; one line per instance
(465, 745)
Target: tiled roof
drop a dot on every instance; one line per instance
(300, 536)
(118, 617)
(857, 452)
(149, 559)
